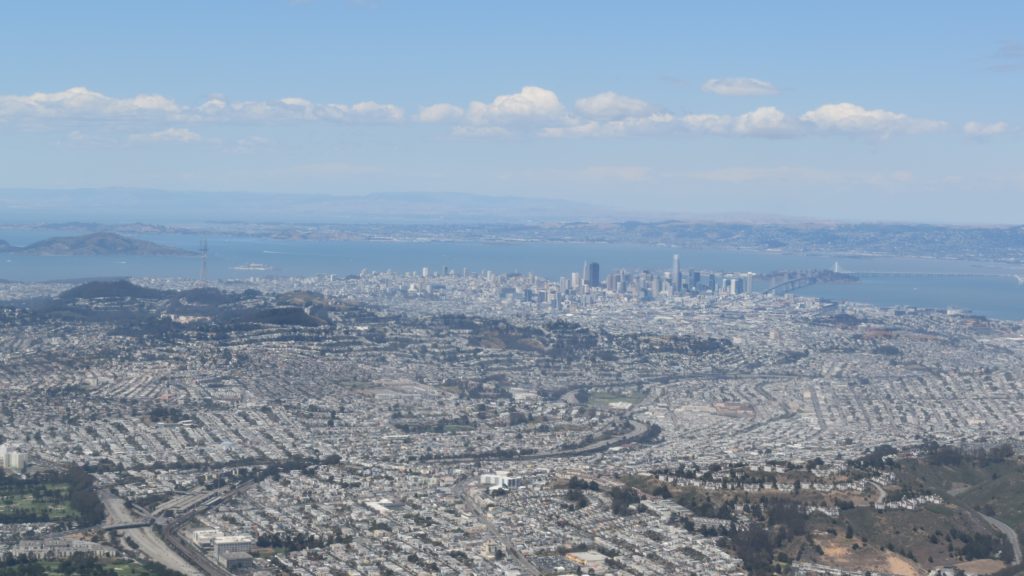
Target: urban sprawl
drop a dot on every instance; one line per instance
(455, 422)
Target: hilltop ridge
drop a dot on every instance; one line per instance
(95, 244)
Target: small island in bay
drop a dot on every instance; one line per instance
(96, 244)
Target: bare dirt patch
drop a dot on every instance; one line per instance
(900, 565)
(981, 566)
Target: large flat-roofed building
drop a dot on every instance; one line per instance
(501, 479)
(235, 543)
(587, 559)
(206, 536)
(236, 561)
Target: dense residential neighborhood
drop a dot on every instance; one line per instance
(438, 422)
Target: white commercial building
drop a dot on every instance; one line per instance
(205, 536)
(11, 459)
(236, 543)
(501, 479)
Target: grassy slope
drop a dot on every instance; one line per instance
(994, 489)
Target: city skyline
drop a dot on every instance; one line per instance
(800, 111)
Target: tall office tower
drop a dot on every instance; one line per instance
(592, 274)
(425, 272)
(734, 285)
(575, 280)
(624, 281)
(677, 276)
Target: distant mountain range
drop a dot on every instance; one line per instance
(980, 243)
(98, 244)
(103, 214)
(120, 205)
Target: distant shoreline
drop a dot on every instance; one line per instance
(1003, 246)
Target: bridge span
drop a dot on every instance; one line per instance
(908, 274)
(785, 282)
(791, 285)
(127, 525)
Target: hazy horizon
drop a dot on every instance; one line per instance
(798, 111)
(119, 206)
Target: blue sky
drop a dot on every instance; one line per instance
(858, 111)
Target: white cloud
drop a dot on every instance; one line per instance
(440, 113)
(653, 122)
(592, 128)
(213, 106)
(707, 123)
(84, 103)
(169, 135)
(657, 122)
(980, 129)
(299, 105)
(533, 109)
(246, 110)
(532, 102)
(368, 111)
(765, 121)
(739, 87)
(611, 105)
(846, 117)
(294, 108)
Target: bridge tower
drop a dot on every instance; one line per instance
(203, 252)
